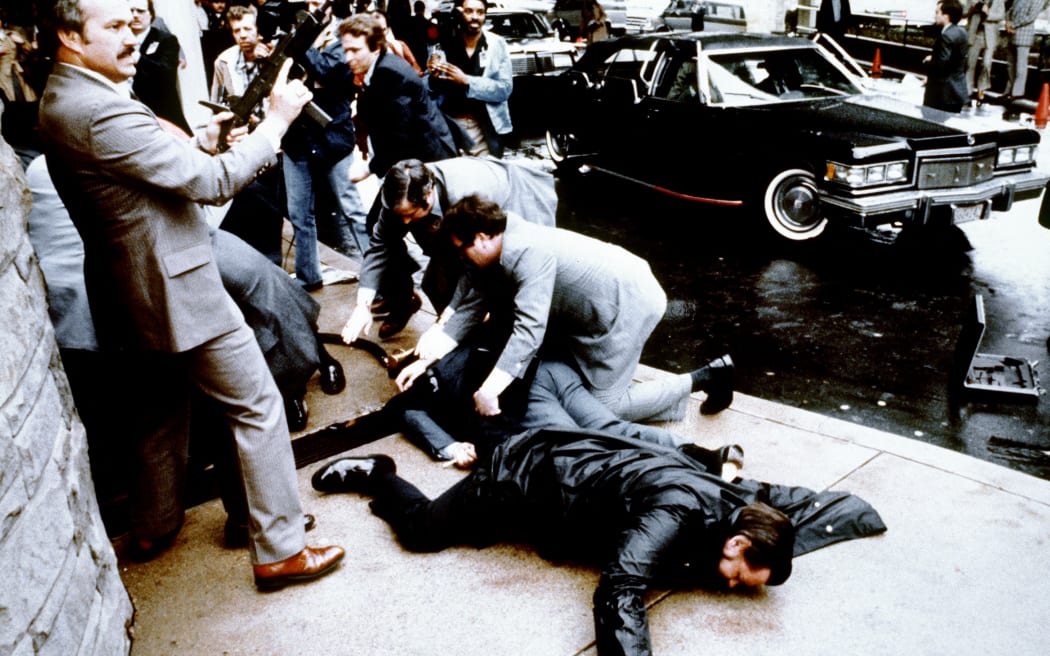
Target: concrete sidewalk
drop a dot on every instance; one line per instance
(962, 569)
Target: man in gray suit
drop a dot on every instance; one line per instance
(413, 198)
(586, 302)
(134, 192)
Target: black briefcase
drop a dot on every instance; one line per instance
(988, 374)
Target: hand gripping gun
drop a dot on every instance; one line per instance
(293, 44)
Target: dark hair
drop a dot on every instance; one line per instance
(474, 215)
(408, 180)
(952, 9)
(772, 537)
(367, 26)
(238, 12)
(65, 16)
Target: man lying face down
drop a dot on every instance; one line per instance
(648, 515)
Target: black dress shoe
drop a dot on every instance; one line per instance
(732, 453)
(332, 379)
(395, 322)
(352, 474)
(712, 460)
(143, 551)
(718, 385)
(235, 534)
(297, 413)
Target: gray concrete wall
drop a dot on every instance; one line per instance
(60, 590)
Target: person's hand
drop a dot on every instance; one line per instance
(288, 97)
(434, 344)
(359, 170)
(263, 50)
(357, 325)
(486, 404)
(463, 454)
(443, 70)
(209, 140)
(410, 373)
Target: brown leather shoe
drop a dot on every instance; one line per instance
(395, 322)
(309, 564)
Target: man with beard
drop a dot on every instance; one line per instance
(474, 79)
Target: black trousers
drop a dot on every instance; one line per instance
(475, 511)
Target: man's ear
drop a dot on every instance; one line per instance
(72, 40)
(736, 545)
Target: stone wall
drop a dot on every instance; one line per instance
(60, 590)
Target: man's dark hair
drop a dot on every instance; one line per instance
(772, 539)
(408, 180)
(952, 9)
(367, 26)
(65, 16)
(238, 12)
(473, 215)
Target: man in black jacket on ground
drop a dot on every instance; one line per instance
(648, 515)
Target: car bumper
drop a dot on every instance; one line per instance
(1000, 193)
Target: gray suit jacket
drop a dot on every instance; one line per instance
(588, 302)
(134, 192)
(516, 188)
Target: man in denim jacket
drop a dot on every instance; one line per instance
(474, 80)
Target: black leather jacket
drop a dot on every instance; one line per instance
(648, 516)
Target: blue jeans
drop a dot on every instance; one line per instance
(350, 206)
(300, 177)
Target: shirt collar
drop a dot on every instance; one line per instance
(123, 88)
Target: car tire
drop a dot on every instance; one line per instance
(791, 206)
(560, 145)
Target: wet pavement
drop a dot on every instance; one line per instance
(852, 328)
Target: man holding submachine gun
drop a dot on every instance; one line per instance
(292, 45)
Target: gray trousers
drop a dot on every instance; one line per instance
(231, 370)
(558, 398)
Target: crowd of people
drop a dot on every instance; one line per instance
(959, 68)
(160, 245)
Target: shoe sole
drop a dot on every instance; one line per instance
(384, 465)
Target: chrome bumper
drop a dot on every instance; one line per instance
(1000, 191)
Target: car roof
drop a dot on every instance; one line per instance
(734, 40)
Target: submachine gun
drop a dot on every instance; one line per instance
(292, 44)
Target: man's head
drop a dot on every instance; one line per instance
(217, 6)
(243, 22)
(142, 15)
(408, 190)
(473, 16)
(362, 37)
(96, 35)
(759, 549)
(948, 11)
(380, 16)
(475, 226)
